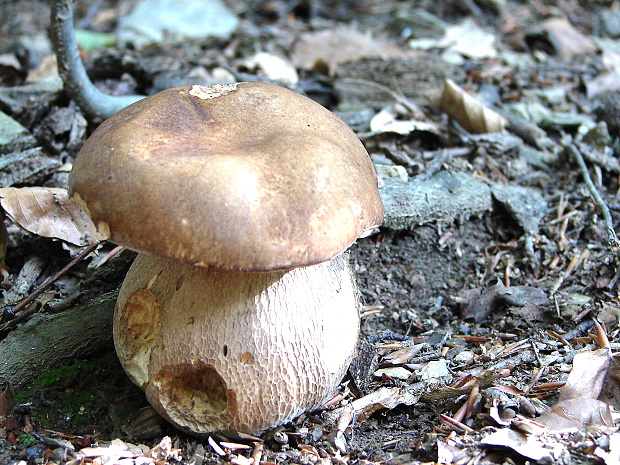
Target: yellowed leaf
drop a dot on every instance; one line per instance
(470, 113)
(49, 212)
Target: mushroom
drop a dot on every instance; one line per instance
(240, 311)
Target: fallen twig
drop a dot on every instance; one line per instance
(26, 301)
(454, 424)
(612, 239)
(609, 162)
(49, 340)
(527, 131)
(414, 109)
(439, 158)
(78, 85)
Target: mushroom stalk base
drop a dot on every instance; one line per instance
(220, 350)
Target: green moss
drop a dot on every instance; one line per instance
(60, 395)
(27, 440)
(71, 397)
(65, 374)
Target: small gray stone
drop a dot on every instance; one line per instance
(435, 369)
(13, 136)
(526, 205)
(444, 197)
(151, 20)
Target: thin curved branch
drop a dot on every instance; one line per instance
(612, 239)
(78, 85)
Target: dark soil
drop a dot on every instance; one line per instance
(434, 284)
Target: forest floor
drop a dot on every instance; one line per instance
(487, 335)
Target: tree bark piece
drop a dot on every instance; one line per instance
(49, 340)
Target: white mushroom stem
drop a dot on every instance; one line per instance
(219, 350)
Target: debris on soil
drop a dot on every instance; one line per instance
(491, 307)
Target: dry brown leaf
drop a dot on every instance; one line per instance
(577, 413)
(49, 212)
(474, 116)
(578, 405)
(7, 399)
(329, 47)
(402, 356)
(565, 40)
(589, 371)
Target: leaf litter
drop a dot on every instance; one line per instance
(49, 212)
(478, 324)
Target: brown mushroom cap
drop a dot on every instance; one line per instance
(248, 176)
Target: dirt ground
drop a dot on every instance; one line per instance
(471, 323)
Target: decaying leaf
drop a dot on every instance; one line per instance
(479, 303)
(387, 121)
(361, 409)
(7, 399)
(51, 213)
(401, 373)
(382, 398)
(589, 371)
(402, 356)
(577, 413)
(561, 38)
(604, 82)
(164, 451)
(469, 40)
(122, 452)
(527, 446)
(470, 113)
(274, 67)
(578, 405)
(329, 47)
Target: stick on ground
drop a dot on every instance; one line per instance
(612, 239)
(78, 85)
